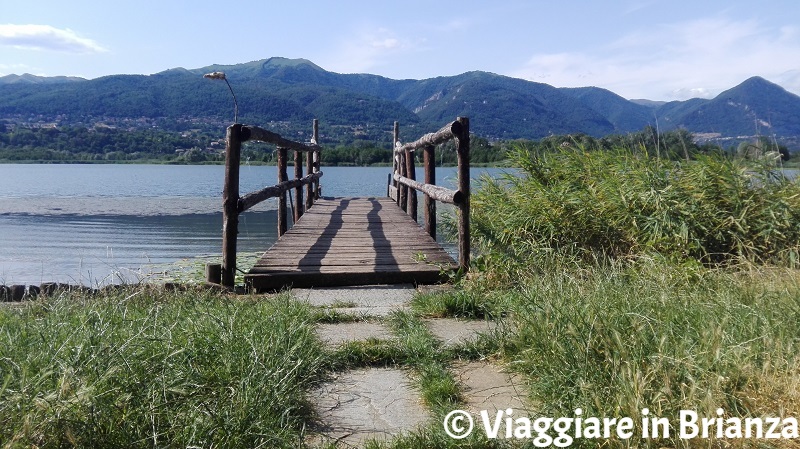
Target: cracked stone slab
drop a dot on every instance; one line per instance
(337, 334)
(363, 404)
(371, 300)
(453, 332)
(487, 386)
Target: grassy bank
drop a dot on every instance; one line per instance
(622, 283)
(616, 340)
(146, 367)
(632, 283)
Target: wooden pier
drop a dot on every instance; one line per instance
(351, 241)
(347, 241)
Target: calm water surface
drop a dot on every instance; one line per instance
(99, 224)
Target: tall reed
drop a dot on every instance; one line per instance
(576, 207)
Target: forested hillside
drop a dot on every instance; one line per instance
(45, 116)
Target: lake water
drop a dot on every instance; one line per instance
(100, 224)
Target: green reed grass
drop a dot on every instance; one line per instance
(576, 207)
(617, 340)
(628, 282)
(148, 368)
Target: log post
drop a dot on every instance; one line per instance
(317, 186)
(230, 204)
(396, 159)
(282, 177)
(429, 161)
(395, 141)
(298, 192)
(309, 187)
(401, 165)
(398, 166)
(463, 186)
(317, 156)
(411, 171)
(213, 273)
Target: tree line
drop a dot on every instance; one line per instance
(105, 144)
(77, 143)
(102, 144)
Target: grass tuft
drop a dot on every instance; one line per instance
(142, 368)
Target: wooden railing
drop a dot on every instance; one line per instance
(233, 204)
(403, 185)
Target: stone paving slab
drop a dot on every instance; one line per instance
(373, 403)
(371, 300)
(339, 333)
(453, 332)
(487, 386)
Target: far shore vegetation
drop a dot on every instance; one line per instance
(106, 145)
(622, 279)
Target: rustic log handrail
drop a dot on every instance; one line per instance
(437, 193)
(448, 132)
(234, 204)
(253, 198)
(262, 135)
(403, 186)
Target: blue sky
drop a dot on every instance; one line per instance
(660, 50)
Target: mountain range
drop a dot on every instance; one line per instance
(289, 91)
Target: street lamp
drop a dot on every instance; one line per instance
(221, 76)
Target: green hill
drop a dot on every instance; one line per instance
(288, 93)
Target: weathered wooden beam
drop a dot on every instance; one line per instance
(462, 149)
(395, 157)
(230, 203)
(317, 156)
(298, 192)
(437, 193)
(310, 186)
(401, 165)
(262, 135)
(411, 173)
(253, 198)
(448, 132)
(282, 177)
(429, 161)
(317, 187)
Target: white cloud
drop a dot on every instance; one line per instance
(6, 69)
(46, 37)
(694, 58)
(388, 43)
(366, 50)
(790, 80)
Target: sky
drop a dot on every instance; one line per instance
(652, 49)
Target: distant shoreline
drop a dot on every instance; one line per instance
(253, 163)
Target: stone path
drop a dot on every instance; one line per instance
(453, 332)
(336, 334)
(488, 387)
(374, 403)
(381, 403)
(378, 300)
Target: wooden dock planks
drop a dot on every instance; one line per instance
(351, 241)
